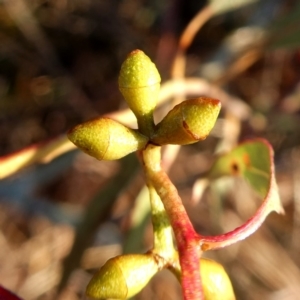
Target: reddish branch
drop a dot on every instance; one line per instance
(185, 235)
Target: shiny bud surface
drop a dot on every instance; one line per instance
(215, 281)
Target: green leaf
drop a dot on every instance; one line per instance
(252, 160)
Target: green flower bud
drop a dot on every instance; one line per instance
(139, 82)
(188, 122)
(122, 277)
(215, 281)
(106, 139)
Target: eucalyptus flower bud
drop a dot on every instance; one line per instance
(139, 82)
(215, 281)
(188, 122)
(122, 277)
(106, 139)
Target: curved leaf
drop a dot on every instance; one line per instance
(252, 160)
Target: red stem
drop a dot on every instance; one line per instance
(185, 235)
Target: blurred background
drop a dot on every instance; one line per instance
(60, 220)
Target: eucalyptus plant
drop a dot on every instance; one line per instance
(177, 246)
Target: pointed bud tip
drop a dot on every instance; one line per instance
(138, 71)
(211, 101)
(136, 52)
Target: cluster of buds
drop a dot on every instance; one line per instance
(139, 82)
(105, 139)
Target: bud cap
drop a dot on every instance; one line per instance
(138, 71)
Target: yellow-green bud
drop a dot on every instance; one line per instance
(106, 139)
(188, 122)
(122, 277)
(139, 82)
(215, 281)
